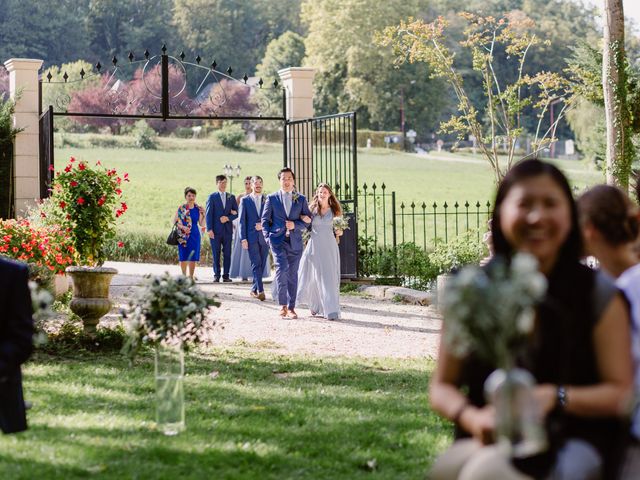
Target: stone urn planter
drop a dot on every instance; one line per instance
(90, 299)
(441, 285)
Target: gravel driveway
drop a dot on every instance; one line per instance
(368, 328)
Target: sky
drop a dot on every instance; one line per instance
(631, 8)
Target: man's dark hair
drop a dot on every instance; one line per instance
(189, 190)
(220, 178)
(284, 170)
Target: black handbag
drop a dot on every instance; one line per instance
(172, 239)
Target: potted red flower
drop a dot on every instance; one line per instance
(88, 202)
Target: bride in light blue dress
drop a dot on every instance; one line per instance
(319, 273)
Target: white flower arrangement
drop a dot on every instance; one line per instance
(340, 223)
(169, 311)
(490, 311)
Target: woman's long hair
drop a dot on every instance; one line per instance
(572, 248)
(334, 204)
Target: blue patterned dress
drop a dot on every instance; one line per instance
(190, 252)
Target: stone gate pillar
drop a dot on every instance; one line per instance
(298, 85)
(23, 81)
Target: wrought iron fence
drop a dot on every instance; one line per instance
(390, 222)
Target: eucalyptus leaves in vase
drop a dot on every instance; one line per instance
(490, 312)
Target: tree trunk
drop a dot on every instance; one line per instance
(615, 101)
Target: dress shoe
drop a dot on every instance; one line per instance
(216, 279)
(292, 314)
(227, 280)
(261, 297)
(254, 294)
(283, 312)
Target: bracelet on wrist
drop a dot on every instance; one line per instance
(561, 397)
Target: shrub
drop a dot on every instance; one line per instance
(462, 250)
(47, 249)
(144, 135)
(231, 135)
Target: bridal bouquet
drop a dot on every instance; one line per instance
(490, 311)
(340, 223)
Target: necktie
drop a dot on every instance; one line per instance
(256, 199)
(287, 202)
(223, 199)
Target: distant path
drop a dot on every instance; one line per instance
(368, 327)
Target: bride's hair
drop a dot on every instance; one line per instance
(334, 204)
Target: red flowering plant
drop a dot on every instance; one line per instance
(47, 248)
(88, 203)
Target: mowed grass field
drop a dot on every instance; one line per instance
(158, 177)
(250, 414)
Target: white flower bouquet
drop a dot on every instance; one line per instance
(490, 311)
(340, 223)
(168, 311)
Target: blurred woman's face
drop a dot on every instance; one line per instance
(535, 217)
(323, 194)
(247, 186)
(190, 197)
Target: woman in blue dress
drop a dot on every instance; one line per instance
(190, 220)
(319, 274)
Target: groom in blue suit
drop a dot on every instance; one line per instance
(282, 227)
(251, 234)
(222, 209)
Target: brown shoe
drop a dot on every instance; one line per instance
(292, 313)
(253, 294)
(261, 297)
(283, 311)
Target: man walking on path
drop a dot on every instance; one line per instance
(222, 209)
(282, 227)
(251, 234)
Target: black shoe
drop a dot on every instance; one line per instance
(216, 279)
(227, 280)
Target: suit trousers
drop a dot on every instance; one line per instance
(258, 255)
(287, 261)
(221, 242)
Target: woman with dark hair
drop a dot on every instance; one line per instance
(610, 226)
(188, 217)
(578, 352)
(319, 274)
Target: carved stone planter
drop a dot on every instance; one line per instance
(90, 299)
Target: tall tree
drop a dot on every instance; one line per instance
(619, 146)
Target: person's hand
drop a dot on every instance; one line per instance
(211, 235)
(480, 422)
(233, 212)
(224, 219)
(245, 244)
(546, 395)
(339, 232)
(258, 227)
(305, 218)
(290, 225)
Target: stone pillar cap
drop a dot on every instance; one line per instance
(23, 64)
(298, 72)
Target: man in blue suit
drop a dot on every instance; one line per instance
(16, 343)
(282, 227)
(222, 209)
(251, 234)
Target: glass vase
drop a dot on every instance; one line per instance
(169, 371)
(519, 421)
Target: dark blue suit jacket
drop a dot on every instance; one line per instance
(215, 211)
(249, 216)
(16, 342)
(274, 217)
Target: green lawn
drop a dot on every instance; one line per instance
(93, 417)
(158, 177)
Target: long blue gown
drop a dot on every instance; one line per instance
(319, 273)
(191, 251)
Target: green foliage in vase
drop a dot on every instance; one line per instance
(463, 250)
(168, 311)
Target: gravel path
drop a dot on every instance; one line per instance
(368, 327)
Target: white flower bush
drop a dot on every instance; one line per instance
(491, 311)
(169, 311)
